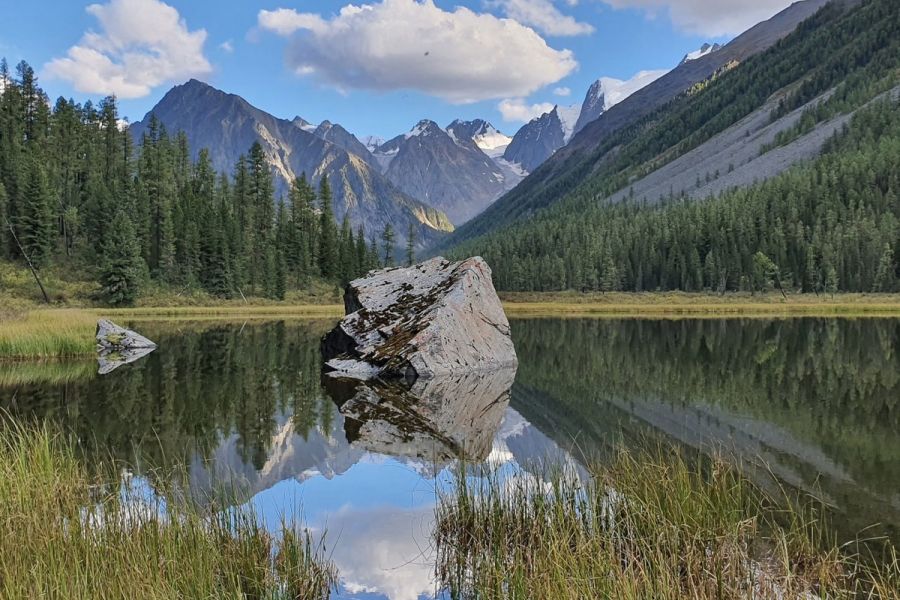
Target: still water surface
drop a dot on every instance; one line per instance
(816, 402)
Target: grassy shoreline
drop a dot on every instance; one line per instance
(653, 524)
(70, 533)
(33, 332)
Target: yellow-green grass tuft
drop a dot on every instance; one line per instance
(60, 333)
(651, 525)
(68, 533)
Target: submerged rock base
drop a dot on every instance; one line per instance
(117, 346)
(434, 319)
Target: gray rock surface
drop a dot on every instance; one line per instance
(437, 318)
(117, 346)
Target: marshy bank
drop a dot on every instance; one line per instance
(70, 533)
(28, 331)
(648, 525)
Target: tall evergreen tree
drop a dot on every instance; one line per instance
(328, 236)
(387, 241)
(411, 245)
(121, 269)
(36, 224)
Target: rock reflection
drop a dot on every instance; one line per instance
(435, 420)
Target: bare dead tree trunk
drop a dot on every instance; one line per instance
(28, 260)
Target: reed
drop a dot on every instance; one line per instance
(651, 525)
(71, 534)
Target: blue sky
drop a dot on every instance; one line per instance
(376, 68)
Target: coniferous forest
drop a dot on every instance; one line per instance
(831, 225)
(77, 192)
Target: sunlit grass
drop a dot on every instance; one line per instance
(649, 526)
(57, 333)
(67, 533)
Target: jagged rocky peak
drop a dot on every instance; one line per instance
(537, 140)
(303, 124)
(606, 92)
(425, 127)
(485, 136)
(435, 319)
(701, 52)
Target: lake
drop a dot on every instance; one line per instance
(814, 402)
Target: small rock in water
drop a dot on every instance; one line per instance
(117, 346)
(434, 319)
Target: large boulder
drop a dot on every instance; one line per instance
(117, 346)
(434, 319)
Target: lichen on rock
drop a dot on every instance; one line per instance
(433, 319)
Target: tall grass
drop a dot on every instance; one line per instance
(61, 333)
(69, 534)
(649, 526)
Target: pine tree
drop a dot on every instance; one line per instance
(387, 240)
(328, 237)
(36, 228)
(362, 255)
(411, 245)
(122, 267)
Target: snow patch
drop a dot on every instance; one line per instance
(372, 142)
(701, 52)
(568, 116)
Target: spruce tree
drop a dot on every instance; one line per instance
(328, 236)
(411, 245)
(387, 240)
(121, 267)
(362, 256)
(36, 227)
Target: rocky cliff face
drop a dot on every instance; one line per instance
(227, 125)
(447, 172)
(536, 141)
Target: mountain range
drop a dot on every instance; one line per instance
(430, 177)
(227, 126)
(613, 109)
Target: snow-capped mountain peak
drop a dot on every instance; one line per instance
(490, 140)
(606, 92)
(303, 124)
(423, 128)
(701, 52)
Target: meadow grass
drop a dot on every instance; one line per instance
(651, 525)
(60, 333)
(68, 533)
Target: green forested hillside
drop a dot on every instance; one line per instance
(829, 225)
(77, 194)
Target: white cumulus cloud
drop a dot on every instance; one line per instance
(460, 56)
(141, 44)
(562, 91)
(516, 110)
(543, 16)
(709, 17)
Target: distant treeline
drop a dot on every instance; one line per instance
(75, 192)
